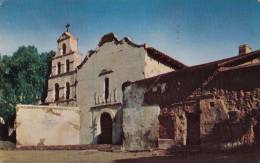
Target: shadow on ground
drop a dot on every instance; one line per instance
(7, 145)
(198, 158)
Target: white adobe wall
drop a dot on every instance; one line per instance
(140, 123)
(153, 67)
(47, 125)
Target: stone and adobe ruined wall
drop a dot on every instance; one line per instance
(238, 123)
(203, 105)
(47, 125)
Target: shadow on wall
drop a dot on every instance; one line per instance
(236, 131)
(7, 131)
(3, 132)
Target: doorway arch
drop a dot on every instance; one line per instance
(106, 123)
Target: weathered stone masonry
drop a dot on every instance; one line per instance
(215, 103)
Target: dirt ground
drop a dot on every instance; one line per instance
(98, 154)
(94, 156)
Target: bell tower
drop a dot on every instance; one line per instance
(67, 43)
(62, 80)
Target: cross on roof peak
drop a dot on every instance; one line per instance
(67, 26)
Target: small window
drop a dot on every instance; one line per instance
(63, 49)
(106, 89)
(212, 104)
(95, 98)
(57, 92)
(59, 67)
(67, 65)
(67, 90)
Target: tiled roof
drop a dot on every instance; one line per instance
(182, 83)
(165, 59)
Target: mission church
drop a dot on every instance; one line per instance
(138, 97)
(94, 83)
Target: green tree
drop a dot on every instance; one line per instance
(23, 78)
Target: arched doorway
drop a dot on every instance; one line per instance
(106, 129)
(166, 128)
(193, 128)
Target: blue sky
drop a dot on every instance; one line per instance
(192, 31)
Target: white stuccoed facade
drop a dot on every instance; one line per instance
(118, 61)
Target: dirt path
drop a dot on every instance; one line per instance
(94, 156)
